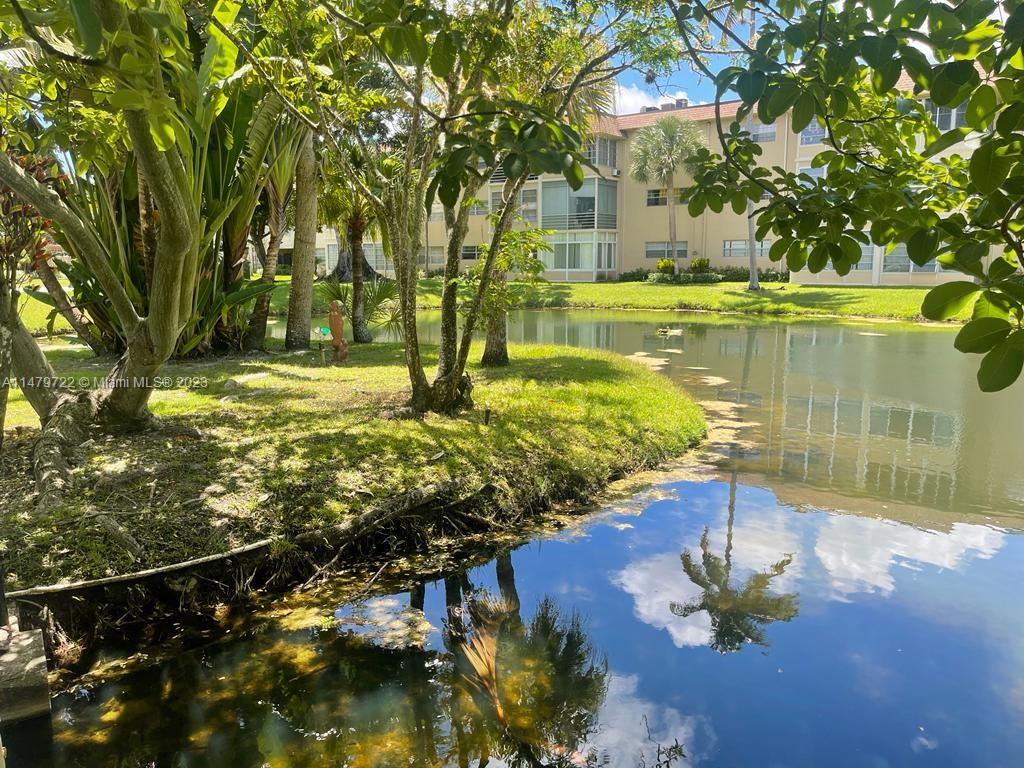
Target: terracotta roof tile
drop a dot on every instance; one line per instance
(695, 112)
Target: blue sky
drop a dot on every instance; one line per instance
(633, 94)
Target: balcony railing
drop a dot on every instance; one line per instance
(582, 220)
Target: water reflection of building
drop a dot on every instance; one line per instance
(838, 408)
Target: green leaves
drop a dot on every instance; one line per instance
(949, 299)
(220, 54)
(803, 112)
(982, 334)
(1003, 364)
(921, 246)
(750, 85)
(981, 107)
(442, 54)
(878, 51)
(990, 165)
(88, 24)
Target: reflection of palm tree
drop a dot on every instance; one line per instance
(738, 612)
(528, 691)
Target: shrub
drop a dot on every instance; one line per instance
(700, 266)
(697, 278)
(284, 269)
(666, 267)
(742, 275)
(660, 277)
(634, 276)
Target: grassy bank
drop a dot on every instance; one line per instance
(778, 299)
(899, 303)
(290, 445)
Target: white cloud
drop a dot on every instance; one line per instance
(860, 553)
(630, 729)
(657, 582)
(760, 538)
(633, 98)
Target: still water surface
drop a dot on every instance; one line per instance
(840, 586)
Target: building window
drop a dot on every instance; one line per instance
(527, 208)
(813, 134)
(478, 208)
(947, 118)
(662, 250)
(566, 208)
(436, 254)
(657, 197)
(607, 204)
(735, 249)
(374, 255)
(319, 254)
(332, 256)
(867, 258)
(760, 132)
(602, 151)
(576, 251)
(814, 173)
(470, 252)
(528, 204)
(897, 260)
(606, 255)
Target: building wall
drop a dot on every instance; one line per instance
(638, 224)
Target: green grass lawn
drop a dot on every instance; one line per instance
(290, 445)
(35, 314)
(775, 299)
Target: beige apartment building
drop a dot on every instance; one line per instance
(614, 224)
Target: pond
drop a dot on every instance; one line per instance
(833, 584)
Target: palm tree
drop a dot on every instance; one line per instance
(345, 207)
(659, 152)
(283, 158)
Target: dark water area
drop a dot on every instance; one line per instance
(837, 583)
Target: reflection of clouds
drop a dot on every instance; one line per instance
(385, 621)
(654, 584)
(762, 538)
(858, 553)
(631, 728)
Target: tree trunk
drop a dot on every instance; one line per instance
(458, 227)
(672, 218)
(256, 238)
(75, 317)
(256, 333)
(8, 315)
(360, 331)
(506, 575)
(147, 228)
(300, 303)
(754, 283)
(343, 269)
(496, 347)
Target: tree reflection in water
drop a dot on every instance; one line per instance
(738, 611)
(527, 693)
(523, 692)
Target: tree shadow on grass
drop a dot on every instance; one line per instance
(546, 295)
(771, 300)
(289, 453)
